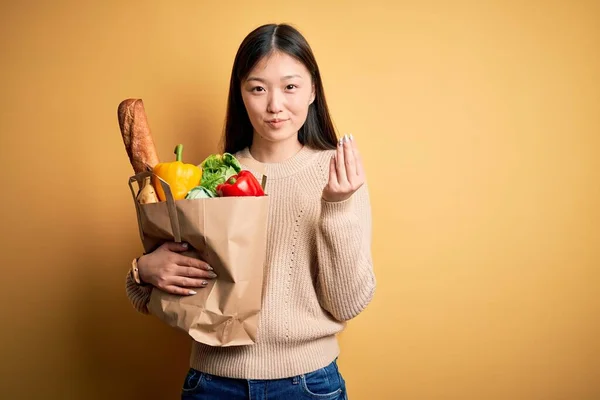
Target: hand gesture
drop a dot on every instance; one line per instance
(346, 173)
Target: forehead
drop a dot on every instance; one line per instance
(278, 64)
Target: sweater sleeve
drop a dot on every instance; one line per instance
(346, 281)
(138, 295)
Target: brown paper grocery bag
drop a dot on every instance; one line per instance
(230, 234)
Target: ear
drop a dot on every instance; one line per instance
(312, 95)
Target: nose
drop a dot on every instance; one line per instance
(275, 103)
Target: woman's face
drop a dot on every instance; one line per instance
(277, 94)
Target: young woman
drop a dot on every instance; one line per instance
(319, 271)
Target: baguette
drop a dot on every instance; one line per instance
(136, 135)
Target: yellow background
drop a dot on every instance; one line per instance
(479, 127)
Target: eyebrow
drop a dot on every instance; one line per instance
(256, 78)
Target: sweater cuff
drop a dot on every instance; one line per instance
(138, 295)
(334, 208)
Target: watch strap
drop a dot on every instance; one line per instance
(135, 272)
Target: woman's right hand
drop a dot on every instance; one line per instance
(172, 272)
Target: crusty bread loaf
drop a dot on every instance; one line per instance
(136, 135)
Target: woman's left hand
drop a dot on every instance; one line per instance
(346, 173)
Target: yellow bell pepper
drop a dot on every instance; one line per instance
(180, 177)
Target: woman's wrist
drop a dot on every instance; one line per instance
(141, 269)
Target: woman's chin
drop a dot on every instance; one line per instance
(278, 136)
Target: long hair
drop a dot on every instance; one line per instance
(318, 131)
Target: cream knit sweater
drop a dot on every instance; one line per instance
(319, 275)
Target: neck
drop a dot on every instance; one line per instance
(274, 152)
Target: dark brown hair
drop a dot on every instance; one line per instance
(318, 131)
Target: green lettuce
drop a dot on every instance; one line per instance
(216, 169)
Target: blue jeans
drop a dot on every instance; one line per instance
(324, 384)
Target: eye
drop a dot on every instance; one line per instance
(291, 87)
(257, 89)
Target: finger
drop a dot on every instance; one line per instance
(192, 272)
(349, 159)
(185, 282)
(357, 158)
(186, 261)
(340, 163)
(332, 172)
(179, 290)
(175, 246)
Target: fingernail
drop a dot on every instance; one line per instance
(212, 275)
(204, 283)
(351, 137)
(341, 141)
(191, 292)
(185, 245)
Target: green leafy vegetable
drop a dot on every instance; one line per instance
(216, 169)
(199, 192)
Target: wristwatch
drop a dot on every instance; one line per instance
(135, 272)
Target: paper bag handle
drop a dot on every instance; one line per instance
(171, 208)
(132, 179)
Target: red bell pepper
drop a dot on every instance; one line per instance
(242, 184)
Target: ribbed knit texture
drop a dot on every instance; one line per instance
(318, 275)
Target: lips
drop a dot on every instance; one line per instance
(276, 123)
